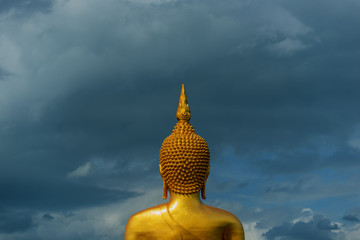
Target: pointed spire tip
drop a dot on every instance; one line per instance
(183, 111)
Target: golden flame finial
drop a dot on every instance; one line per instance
(183, 111)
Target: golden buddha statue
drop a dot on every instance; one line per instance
(184, 168)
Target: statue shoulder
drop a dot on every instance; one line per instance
(145, 214)
(143, 222)
(222, 213)
(235, 229)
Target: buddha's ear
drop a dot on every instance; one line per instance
(165, 190)
(160, 170)
(203, 189)
(165, 187)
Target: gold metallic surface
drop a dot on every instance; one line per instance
(184, 168)
(184, 160)
(183, 111)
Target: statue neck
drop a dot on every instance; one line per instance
(180, 201)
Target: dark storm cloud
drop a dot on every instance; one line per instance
(57, 196)
(345, 157)
(287, 162)
(12, 221)
(280, 118)
(25, 6)
(95, 121)
(351, 218)
(293, 115)
(222, 186)
(265, 218)
(3, 74)
(318, 229)
(47, 217)
(72, 131)
(286, 111)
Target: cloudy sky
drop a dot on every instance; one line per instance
(89, 90)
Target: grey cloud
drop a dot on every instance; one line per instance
(318, 229)
(47, 217)
(3, 74)
(57, 196)
(74, 130)
(283, 187)
(221, 185)
(12, 221)
(310, 187)
(325, 224)
(261, 110)
(25, 6)
(271, 216)
(345, 157)
(288, 162)
(351, 218)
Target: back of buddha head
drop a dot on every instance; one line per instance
(184, 155)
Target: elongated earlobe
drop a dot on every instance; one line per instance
(203, 190)
(165, 187)
(165, 190)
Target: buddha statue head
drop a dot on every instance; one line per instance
(184, 156)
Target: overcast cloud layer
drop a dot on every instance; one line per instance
(89, 90)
